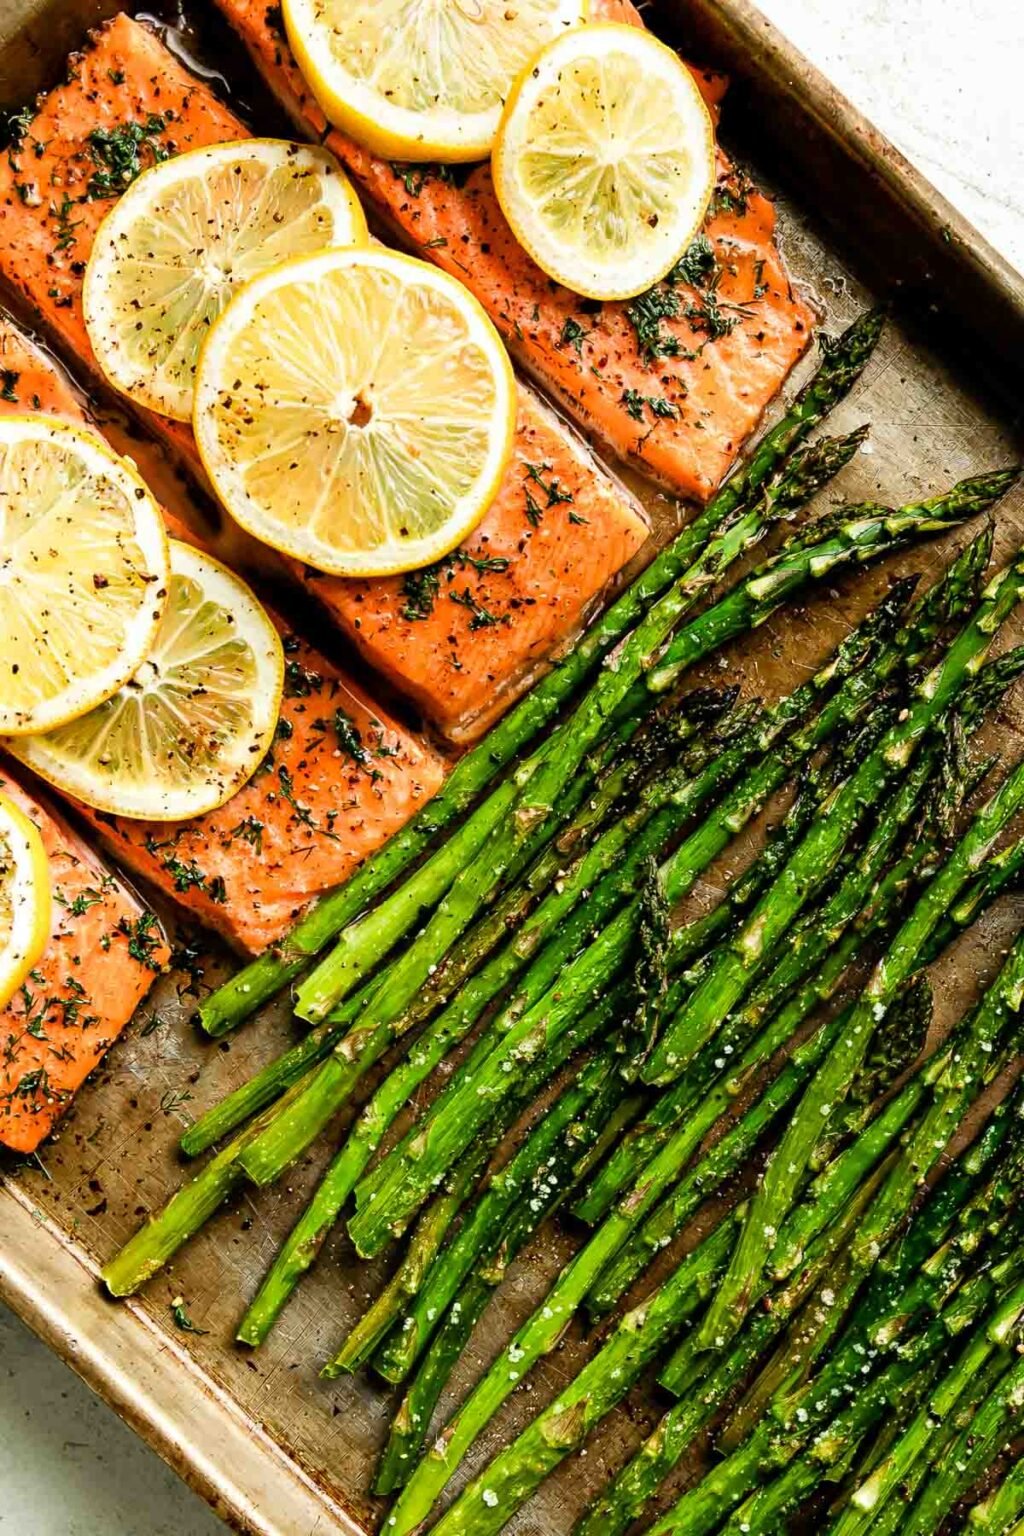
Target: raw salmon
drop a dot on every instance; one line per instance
(675, 380)
(128, 102)
(104, 952)
(341, 777)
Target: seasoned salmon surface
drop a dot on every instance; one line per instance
(128, 102)
(341, 777)
(104, 952)
(675, 380)
(464, 635)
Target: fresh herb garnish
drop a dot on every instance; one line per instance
(349, 739)
(173, 1098)
(9, 380)
(634, 402)
(420, 589)
(118, 154)
(143, 937)
(482, 618)
(645, 314)
(66, 225)
(14, 126)
(182, 1319)
(696, 265)
(250, 830)
(573, 335)
(186, 876)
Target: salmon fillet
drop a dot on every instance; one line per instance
(465, 636)
(674, 381)
(56, 186)
(104, 952)
(340, 778)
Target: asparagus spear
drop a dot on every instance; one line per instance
(888, 1519)
(918, 1439)
(598, 1083)
(949, 598)
(287, 1136)
(358, 1050)
(553, 765)
(554, 1310)
(615, 1509)
(424, 1246)
(1001, 1509)
(775, 1197)
(602, 1382)
(493, 1496)
(809, 866)
(440, 1360)
(707, 763)
(842, 365)
(994, 1424)
(846, 667)
(542, 1195)
(409, 1171)
(482, 1230)
(805, 1430)
(953, 1079)
(728, 1156)
(544, 1328)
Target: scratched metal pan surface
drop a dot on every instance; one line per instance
(275, 1450)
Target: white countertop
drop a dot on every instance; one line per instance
(942, 79)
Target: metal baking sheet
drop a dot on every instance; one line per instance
(276, 1451)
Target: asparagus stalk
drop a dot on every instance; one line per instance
(436, 1369)
(806, 1421)
(542, 1331)
(954, 1077)
(599, 1386)
(409, 1173)
(542, 1195)
(888, 1519)
(728, 1157)
(621, 866)
(426, 1242)
(624, 1499)
(827, 1091)
(842, 365)
(974, 1201)
(546, 1326)
(994, 1424)
(558, 759)
(428, 1290)
(708, 763)
(945, 600)
(494, 1495)
(697, 851)
(947, 1398)
(809, 867)
(1003, 1506)
(286, 1140)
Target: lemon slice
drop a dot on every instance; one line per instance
(421, 79)
(24, 898)
(355, 410)
(605, 160)
(168, 256)
(83, 572)
(194, 723)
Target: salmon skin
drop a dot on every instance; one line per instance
(674, 381)
(128, 102)
(339, 779)
(103, 955)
